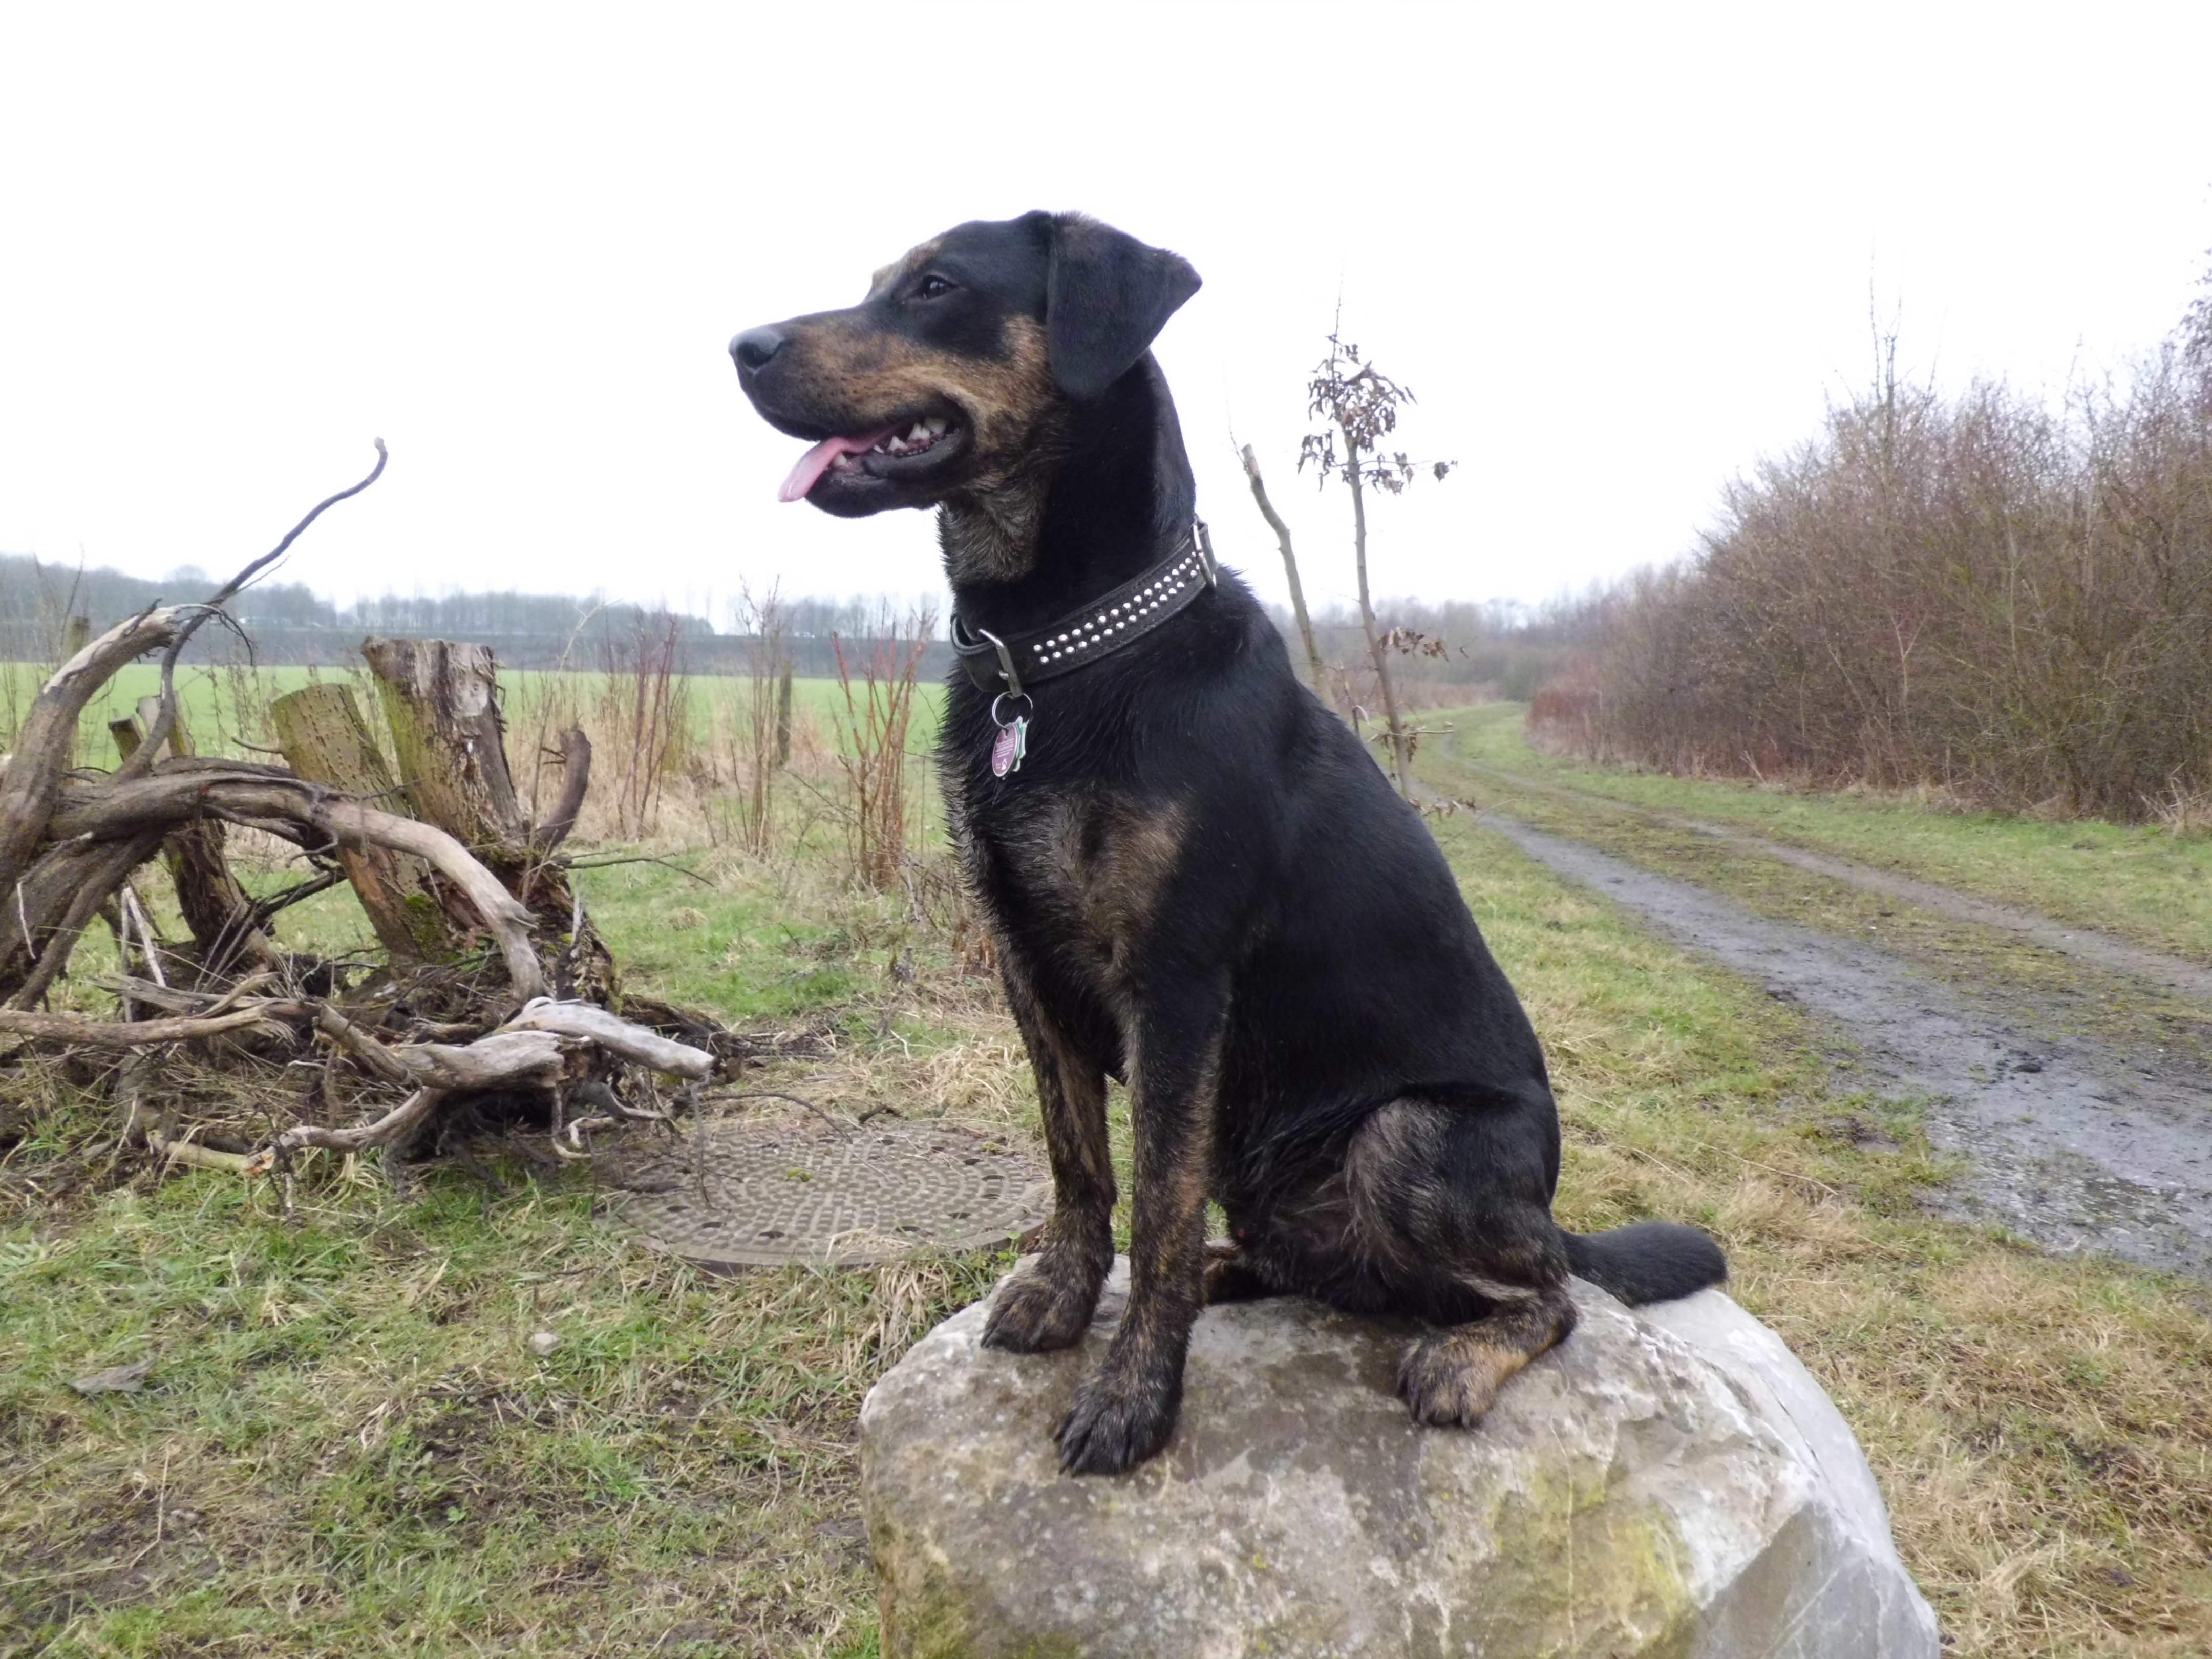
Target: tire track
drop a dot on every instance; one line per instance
(2084, 944)
(2066, 1140)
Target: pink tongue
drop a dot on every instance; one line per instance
(816, 462)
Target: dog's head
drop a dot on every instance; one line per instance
(946, 377)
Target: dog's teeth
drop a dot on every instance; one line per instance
(936, 424)
(918, 435)
(896, 446)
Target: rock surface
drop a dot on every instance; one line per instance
(1669, 1481)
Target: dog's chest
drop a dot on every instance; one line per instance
(1077, 874)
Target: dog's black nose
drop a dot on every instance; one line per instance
(753, 348)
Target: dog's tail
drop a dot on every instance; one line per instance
(1648, 1261)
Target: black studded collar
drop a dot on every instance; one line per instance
(1113, 620)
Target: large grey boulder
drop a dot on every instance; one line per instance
(1668, 1481)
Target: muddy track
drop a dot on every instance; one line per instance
(2066, 1140)
(2085, 944)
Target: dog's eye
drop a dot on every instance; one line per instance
(931, 288)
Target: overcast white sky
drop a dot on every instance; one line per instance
(1618, 253)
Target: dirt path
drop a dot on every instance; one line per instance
(2066, 1140)
(2085, 944)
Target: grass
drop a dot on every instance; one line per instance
(223, 705)
(346, 1447)
(2142, 882)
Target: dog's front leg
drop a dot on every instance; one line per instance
(1048, 1302)
(1124, 1410)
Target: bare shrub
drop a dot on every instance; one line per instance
(643, 718)
(876, 681)
(764, 715)
(2005, 600)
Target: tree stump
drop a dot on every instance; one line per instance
(442, 701)
(321, 730)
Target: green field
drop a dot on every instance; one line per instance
(226, 710)
(345, 1447)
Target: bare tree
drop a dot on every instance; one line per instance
(1317, 675)
(1360, 405)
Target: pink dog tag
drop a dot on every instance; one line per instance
(1007, 750)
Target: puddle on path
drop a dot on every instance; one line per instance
(2066, 1140)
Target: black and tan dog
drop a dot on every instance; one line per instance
(1201, 883)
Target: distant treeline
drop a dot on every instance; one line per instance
(1489, 650)
(1980, 591)
(291, 623)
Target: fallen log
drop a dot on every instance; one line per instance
(141, 1033)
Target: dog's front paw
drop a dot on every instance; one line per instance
(1446, 1380)
(1047, 1304)
(1114, 1424)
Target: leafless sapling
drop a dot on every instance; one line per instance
(1358, 406)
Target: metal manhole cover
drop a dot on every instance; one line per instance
(761, 1194)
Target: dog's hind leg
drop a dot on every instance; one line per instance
(1448, 1210)
(1232, 1276)
(1048, 1301)
(1452, 1376)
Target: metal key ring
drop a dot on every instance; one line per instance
(1001, 697)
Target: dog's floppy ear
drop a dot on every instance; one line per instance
(1107, 296)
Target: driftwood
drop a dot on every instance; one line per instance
(306, 814)
(31, 787)
(440, 853)
(139, 1033)
(618, 1036)
(533, 1055)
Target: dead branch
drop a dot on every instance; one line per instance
(52, 903)
(265, 909)
(575, 779)
(501, 1059)
(381, 1060)
(1317, 675)
(177, 1000)
(616, 1035)
(137, 1034)
(415, 1110)
(158, 729)
(264, 798)
(31, 787)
